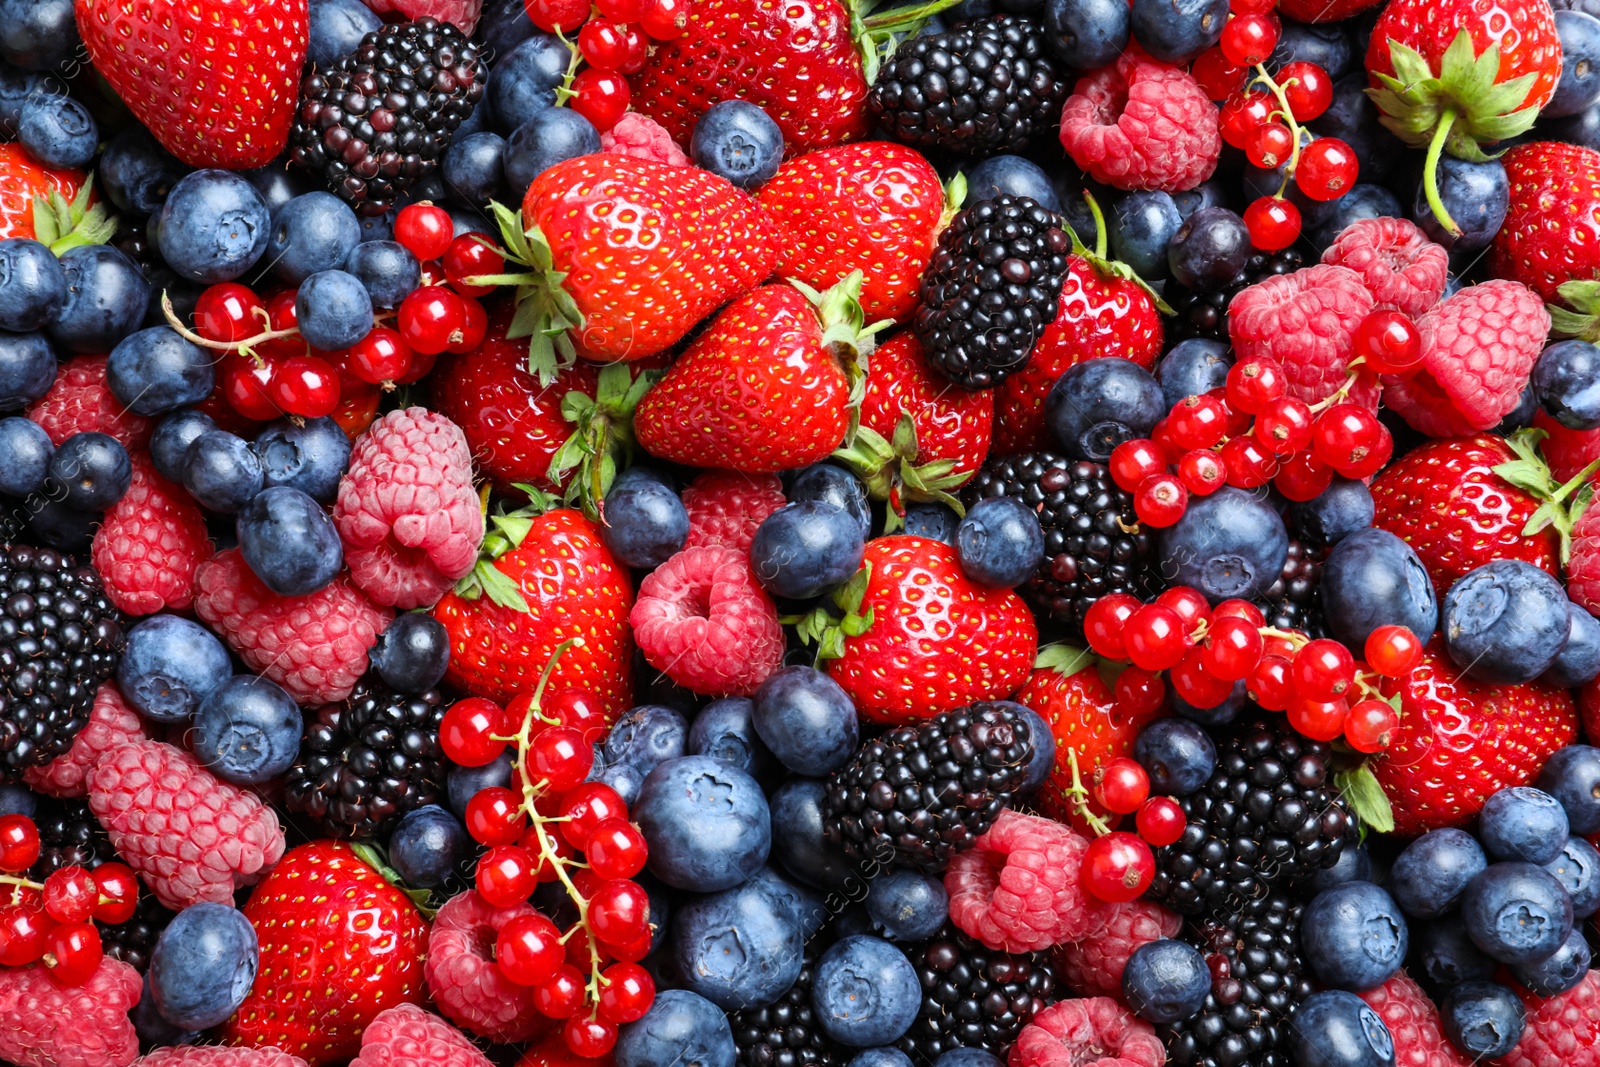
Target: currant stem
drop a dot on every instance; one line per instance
(1288, 117)
(1080, 798)
(1343, 392)
(1299, 639)
(1430, 172)
(223, 346)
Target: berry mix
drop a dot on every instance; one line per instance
(633, 533)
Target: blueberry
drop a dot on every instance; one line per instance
(106, 299)
(523, 83)
(1363, 201)
(1483, 1020)
(152, 1029)
(1337, 1029)
(1085, 34)
(999, 542)
(156, 371)
(311, 233)
(137, 173)
(38, 34)
(213, 228)
(886, 1056)
(170, 666)
(308, 454)
(799, 905)
(865, 992)
(386, 269)
(1373, 579)
(681, 1028)
(1013, 176)
(646, 736)
(474, 167)
(1100, 403)
(908, 905)
(646, 523)
(1577, 868)
(33, 287)
(64, 528)
(806, 720)
(1141, 228)
(735, 949)
(1229, 544)
(625, 778)
(427, 845)
(1505, 622)
(337, 27)
(1572, 776)
(1516, 912)
(277, 184)
(93, 468)
(736, 140)
(1580, 129)
(802, 550)
(834, 485)
(1353, 865)
(1334, 514)
(1209, 193)
(1477, 196)
(706, 823)
(1354, 936)
(1209, 249)
(57, 130)
(412, 653)
(1446, 956)
(1523, 823)
(1166, 981)
(247, 730)
(798, 839)
(1520, 416)
(1566, 377)
(1431, 873)
(16, 86)
(464, 783)
(1562, 970)
(1176, 31)
(27, 369)
(1328, 46)
(169, 443)
(203, 965)
(1177, 755)
(27, 449)
(1579, 87)
(936, 522)
(221, 471)
(1193, 368)
(333, 310)
(725, 730)
(547, 138)
(289, 541)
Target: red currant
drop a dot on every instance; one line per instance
(1133, 461)
(620, 10)
(626, 993)
(1232, 649)
(1218, 78)
(560, 756)
(553, 15)
(1163, 440)
(589, 1038)
(1323, 670)
(70, 895)
(474, 325)
(1269, 146)
(1160, 500)
(1155, 637)
(1303, 476)
(1103, 625)
(466, 733)
(1327, 169)
(587, 806)
(1190, 604)
(1123, 786)
(1118, 867)
(472, 255)
(23, 931)
(431, 319)
(619, 911)
(505, 876)
(1393, 651)
(1249, 464)
(1284, 426)
(1239, 609)
(73, 953)
(562, 996)
(664, 20)
(246, 386)
(1249, 39)
(529, 950)
(425, 230)
(1255, 383)
(1320, 720)
(635, 950)
(1308, 89)
(1238, 421)
(1269, 683)
(1370, 725)
(1198, 421)
(281, 315)
(1197, 686)
(1139, 692)
(229, 312)
(494, 816)
(599, 96)
(19, 843)
(1274, 224)
(1202, 473)
(1242, 113)
(1375, 460)
(1345, 435)
(305, 386)
(538, 841)
(1160, 821)
(1390, 343)
(382, 357)
(616, 849)
(603, 44)
(117, 889)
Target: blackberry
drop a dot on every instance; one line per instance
(60, 637)
(1093, 543)
(785, 1033)
(917, 795)
(993, 285)
(133, 941)
(380, 119)
(1293, 601)
(69, 836)
(973, 996)
(367, 763)
(986, 86)
(1258, 980)
(1269, 816)
(1205, 314)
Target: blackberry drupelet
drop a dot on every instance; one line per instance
(69, 836)
(917, 795)
(380, 119)
(986, 86)
(1205, 314)
(367, 763)
(973, 996)
(1093, 543)
(785, 1033)
(1269, 816)
(134, 940)
(1293, 602)
(1258, 980)
(60, 637)
(993, 285)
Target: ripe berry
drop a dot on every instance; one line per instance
(1327, 169)
(1133, 461)
(559, 755)
(1161, 436)
(1232, 648)
(1118, 867)
(118, 892)
(1139, 691)
(1123, 786)
(620, 10)
(19, 843)
(494, 816)
(474, 324)
(1104, 624)
(664, 20)
(1369, 725)
(1393, 651)
(505, 876)
(1218, 77)
(1308, 89)
(1320, 720)
(1303, 476)
(1255, 383)
(626, 993)
(431, 318)
(1198, 421)
(589, 1038)
(587, 806)
(247, 384)
(1270, 144)
(603, 44)
(305, 386)
(1155, 637)
(577, 708)
(1160, 500)
(1160, 821)
(1390, 343)
(1197, 686)
(616, 849)
(229, 312)
(1239, 609)
(73, 953)
(469, 256)
(553, 15)
(562, 996)
(466, 733)
(1249, 39)
(1248, 463)
(70, 895)
(1345, 435)
(1242, 113)
(1274, 224)
(1269, 683)
(23, 930)
(1284, 426)
(529, 950)
(1323, 670)
(425, 230)
(382, 357)
(619, 911)
(1190, 604)
(599, 96)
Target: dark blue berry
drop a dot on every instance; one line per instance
(33, 286)
(137, 173)
(1140, 228)
(464, 783)
(1229, 544)
(277, 184)
(1577, 868)
(1516, 912)
(221, 471)
(1340, 510)
(57, 130)
(545, 139)
(706, 823)
(725, 730)
(933, 521)
(337, 27)
(865, 992)
(1337, 1029)
(801, 550)
(412, 653)
(1100, 403)
(1373, 579)
(1011, 176)
(1086, 34)
(27, 450)
(169, 443)
(1484, 1020)
(770, 948)
(1175, 31)
(1193, 368)
(1505, 622)
(680, 1027)
(1572, 776)
(387, 269)
(738, 141)
(524, 82)
(1354, 936)
(308, 454)
(1579, 87)
(313, 232)
(1000, 543)
(1523, 823)
(1363, 201)
(1327, 45)
(157, 370)
(289, 541)
(1562, 970)
(908, 905)
(107, 298)
(213, 227)
(27, 369)
(1476, 195)
(1209, 249)
(806, 720)
(1431, 873)
(646, 736)
(203, 965)
(247, 730)
(834, 485)
(94, 470)
(333, 310)
(798, 842)
(427, 846)
(1178, 756)
(1566, 379)
(474, 167)
(170, 666)
(1445, 954)
(38, 34)
(646, 523)
(1166, 981)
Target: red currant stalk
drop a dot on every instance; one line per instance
(1080, 797)
(245, 346)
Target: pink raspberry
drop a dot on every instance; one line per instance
(315, 646)
(725, 507)
(466, 983)
(463, 13)
(1307, 322)
(409, 1036)
(702, 618)
(80, 400)
(1402, 269)
(1413, 1022)
(45, 1025)
(1093, 967)
(1018, 888)
(1562, 1031)
(407, 514)
(218, 1056)
(1139, 125)
(1567, 451)
(150, 544)
(1583, 569)
(112, 722)
(637, 134)
(189, 835)
(1478, 348)
(1097, 1032)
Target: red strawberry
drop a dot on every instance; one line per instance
(1324, 10)
(339, 945)
(215, 80)
(1567, 451)
(1551, 234)
(1461, 741)
(875, 207)
(22, 179)
(546, 579)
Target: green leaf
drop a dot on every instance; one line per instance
(1525, 474)
(850, 595)
(44, 221)
(1065, 660)
(1409, 65)
(1366, 798)
(499, 588)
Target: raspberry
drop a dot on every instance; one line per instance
(406, 512)
(1096, 1032)
(1093, 967)
(111, 723)
(1403, 270)
(1306, 321)
(1562, 1030)
(1018, 889)
(1583, 569)
(1413, 1022)
(464, 13)
(1137, 125)
(150, 543)
(80, 401)
(218, 1056)
(703, 620)
(190, 835)
(1478, 348)
(1567, 451)
(637, 134)
(464, 980)
(725, 507)
(44, 1025)
(408, 1036)
(315, 646)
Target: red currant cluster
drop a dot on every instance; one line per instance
(613, 43)
(1325, 691)
(53, 923)
(556, 827)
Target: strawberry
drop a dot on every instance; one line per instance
(1567, 451)
(875, 207)
(763, 388)
(1550, 239)
(214, 80)
(626, 255)
(1462, 741)
(23, 180)
(919, 637)
(544, 579)
(338, 945)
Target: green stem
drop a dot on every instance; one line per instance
(1430, 172)
(902, 16)
(1278, 92)
(1099, 224)
(574, 57)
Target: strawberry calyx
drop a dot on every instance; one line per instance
(63, 226)
(1561, 504)
(1365, 797)
(877, 36)
(1583, 320)
(545, 310)
(602, 440)
(506, 530)
(844, 327)
(1100, 260)
(373, 856)
(1068, 660)
(891, 472)
(827, 631)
